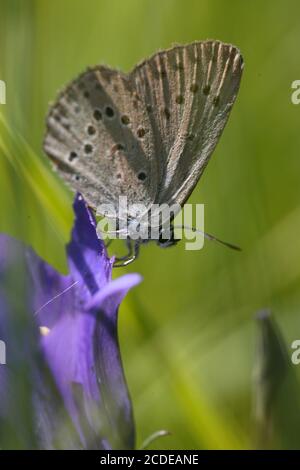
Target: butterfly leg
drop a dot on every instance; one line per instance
(133, 252)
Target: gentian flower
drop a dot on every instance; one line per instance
(62, 330)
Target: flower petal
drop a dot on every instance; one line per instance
(88, 260)
(115, 291)
(52, 291)
(109, 370)
(83, 353)
(77, 385)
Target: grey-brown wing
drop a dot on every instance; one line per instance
(100, 139)
(189, 91)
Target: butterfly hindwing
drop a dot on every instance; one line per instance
(100, 140)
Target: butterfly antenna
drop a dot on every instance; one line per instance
(208, 236)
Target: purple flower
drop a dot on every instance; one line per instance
(64, 333)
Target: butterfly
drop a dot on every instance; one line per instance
(147, 135)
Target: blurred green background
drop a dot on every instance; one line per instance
(187, 332)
